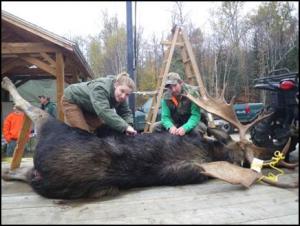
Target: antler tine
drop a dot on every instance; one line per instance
(288, 165)
(279, 184)
(263, 153)
(219, 107)
(244, 128)
(286, 147)
(284, 152)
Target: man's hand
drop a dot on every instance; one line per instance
(130, 131)
(172, 130)
(180, 131)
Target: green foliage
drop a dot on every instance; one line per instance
(96, 57)
(147, 81)
(106, 52)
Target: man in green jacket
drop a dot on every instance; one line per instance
(99, 103)
(179, 115)
(47, 105)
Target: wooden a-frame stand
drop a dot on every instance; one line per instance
(192, 72)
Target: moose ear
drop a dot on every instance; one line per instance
(220, 135)
(230, 173)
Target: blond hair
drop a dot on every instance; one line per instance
(124, 79)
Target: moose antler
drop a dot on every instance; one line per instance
(275, 183)
(283, 152)
(219, 107)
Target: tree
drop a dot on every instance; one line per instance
(228, 31)
(276, 33)
(95, 57)
(106, 52)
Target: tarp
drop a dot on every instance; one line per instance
(30, 92)
(34, 88)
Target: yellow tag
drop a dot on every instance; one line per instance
(257, 164)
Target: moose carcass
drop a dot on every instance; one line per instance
(70, 163)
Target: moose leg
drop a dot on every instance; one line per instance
(20, 174)
(37, 115)
(222, 170)
(179, 172)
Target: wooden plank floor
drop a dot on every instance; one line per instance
(214, 202)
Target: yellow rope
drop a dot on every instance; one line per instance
(278, 156)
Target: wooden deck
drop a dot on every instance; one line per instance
(214, 202)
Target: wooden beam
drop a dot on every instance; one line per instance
(19, 150)
(20, 80)
(27, 71)
(13, 63)
(31, 77)
(60, 70)
(40, 64)
(26, 47)
(49, 59)
(40, 32)
(181, 44)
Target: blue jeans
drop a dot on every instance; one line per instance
(10, 148)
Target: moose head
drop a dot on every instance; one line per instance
(244, 149)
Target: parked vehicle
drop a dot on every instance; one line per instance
(141, 114)
(282, 99)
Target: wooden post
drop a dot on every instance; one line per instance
(60, 75)
(162, 80)
(19, 150)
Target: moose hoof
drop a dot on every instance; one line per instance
(6, 83)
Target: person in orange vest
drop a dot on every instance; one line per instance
(179, 115)
(12, 126)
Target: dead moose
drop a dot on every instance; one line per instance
(70, 163)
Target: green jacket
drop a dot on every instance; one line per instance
(97, 97)
(187, 114)
(50, 107)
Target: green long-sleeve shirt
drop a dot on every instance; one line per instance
(187, 114)
(97, 97)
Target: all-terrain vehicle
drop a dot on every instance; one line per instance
(282, 98)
